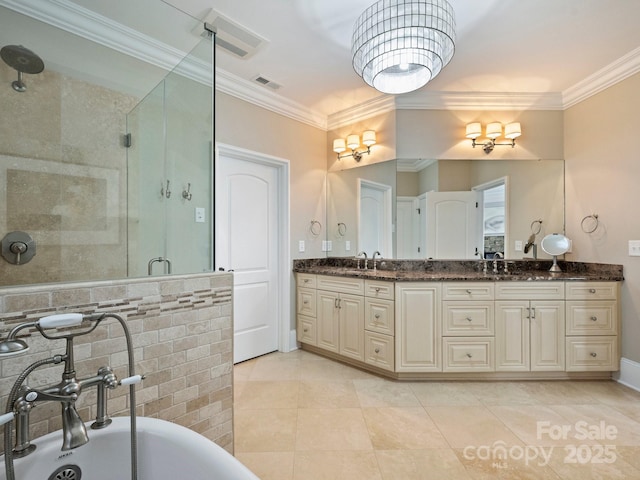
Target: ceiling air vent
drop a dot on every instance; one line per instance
(232, 37)
(266, 82)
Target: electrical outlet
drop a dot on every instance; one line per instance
(199, 214)
(634, 248)
(301, 246)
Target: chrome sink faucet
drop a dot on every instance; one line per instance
(365, 259)
(373, 257)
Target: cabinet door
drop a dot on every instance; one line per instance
(327, 332)
(418, 327)
(547, 335)
(351, 312)
(512, 336)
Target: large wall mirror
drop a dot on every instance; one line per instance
(445, 209)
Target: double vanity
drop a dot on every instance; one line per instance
(429, 319)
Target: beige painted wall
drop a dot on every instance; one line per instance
(602, 175)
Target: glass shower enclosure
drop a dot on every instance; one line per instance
(170, 134)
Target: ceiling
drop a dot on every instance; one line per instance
(509, 53)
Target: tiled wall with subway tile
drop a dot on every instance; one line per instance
(182, 334)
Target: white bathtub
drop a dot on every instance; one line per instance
(166, 451)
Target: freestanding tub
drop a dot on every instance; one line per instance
(166, 451)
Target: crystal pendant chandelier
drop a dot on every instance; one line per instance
(399, 45)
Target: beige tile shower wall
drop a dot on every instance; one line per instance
(182, 334)
(61, 149)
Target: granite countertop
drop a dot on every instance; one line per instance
(460, 270)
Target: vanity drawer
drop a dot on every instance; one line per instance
(468, 291)
(306, 304)
(306, 330)
(305, 280)
(592, 318)
(592, 354)
(378, 289)
(468, 318)
(354, 286)
(592, 290)
(530, 290)
(379, 350)
(379, 315)
(468, 354)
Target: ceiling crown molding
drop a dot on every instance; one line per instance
(604, 78)
(479, 101)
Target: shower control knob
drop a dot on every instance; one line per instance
(18, 248)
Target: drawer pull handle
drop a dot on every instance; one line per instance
(594, 318)
(469, 355)
(377, 350)
(592, 290)
(594, 354)
(469, 319)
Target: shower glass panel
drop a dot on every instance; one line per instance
(170, 171)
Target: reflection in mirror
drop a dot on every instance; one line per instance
(519, 202)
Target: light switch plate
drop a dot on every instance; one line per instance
(347, 245)
(634, 248)
(200, 215)
(301, 246)
(518, 246)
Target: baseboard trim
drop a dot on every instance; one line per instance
(293, 341)
(629, 374)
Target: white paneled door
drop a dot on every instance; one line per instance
(247, 239)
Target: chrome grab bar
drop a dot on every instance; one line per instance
(158, 259)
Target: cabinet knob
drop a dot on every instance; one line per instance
(306, 330)
(592, 290)
(469, 291)
(469, 355)
(377, 289)
(594, 318)
(306, 280)
(377, 315)
(469, 319)
(377, 350)
(594, 354)
(306, 302)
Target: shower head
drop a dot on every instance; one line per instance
(23, 60)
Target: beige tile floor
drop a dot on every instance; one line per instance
(299, 416)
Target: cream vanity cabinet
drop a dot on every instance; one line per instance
(340, 315)
(592, 326)
(468, 327)
(352, 318)
(530, 326)
(418, 327)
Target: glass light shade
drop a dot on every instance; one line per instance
(494, 130)
(474, 130)
(353, 141)
(338, 145)
(369, 138)
(512, 130)
(399, 45)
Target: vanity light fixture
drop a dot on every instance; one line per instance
(493, 131)
(353, 143)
